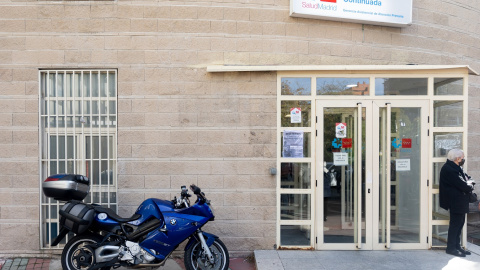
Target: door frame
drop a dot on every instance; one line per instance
(372, 107)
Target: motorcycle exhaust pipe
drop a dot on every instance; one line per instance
(106, 253)
(148, 265)
(162, 263)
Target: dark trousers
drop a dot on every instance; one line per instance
(455, 230)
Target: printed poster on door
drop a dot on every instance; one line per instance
(295, 115)
(340, 130)
(292, 144)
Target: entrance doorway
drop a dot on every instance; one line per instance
(372, 157)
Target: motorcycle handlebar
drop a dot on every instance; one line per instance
(197, 191)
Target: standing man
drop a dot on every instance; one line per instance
(454, 197)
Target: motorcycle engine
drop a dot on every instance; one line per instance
(134, 254)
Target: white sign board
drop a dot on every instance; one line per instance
(340, 158)
(402, 165)
(380, 12)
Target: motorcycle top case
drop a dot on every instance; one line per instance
(76, 216)
(65, 187)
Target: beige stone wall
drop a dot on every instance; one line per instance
(214, 130)
(179, 124)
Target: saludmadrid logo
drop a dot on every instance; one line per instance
(321, 6)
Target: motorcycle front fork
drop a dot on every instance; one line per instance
(205, 247)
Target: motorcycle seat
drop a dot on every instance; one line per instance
(114, 215)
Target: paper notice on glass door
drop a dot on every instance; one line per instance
(402, 165)
(340, 158)
(340, 130)
(292, 144)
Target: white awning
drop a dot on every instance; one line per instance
(377, 68)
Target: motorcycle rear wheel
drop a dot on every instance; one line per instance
(77, 255)
(196, 259)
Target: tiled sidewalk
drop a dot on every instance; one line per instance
(44, 264)
(24, 264)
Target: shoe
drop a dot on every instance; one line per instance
(464, 251)
(455, 253)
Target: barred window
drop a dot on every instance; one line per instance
(78, 135)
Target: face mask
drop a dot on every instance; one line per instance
(461, 162)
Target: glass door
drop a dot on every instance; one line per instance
(372, 158)
(343, 162)
(402, 187)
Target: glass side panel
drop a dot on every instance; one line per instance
(437, 166)
(448, 86)
(444, 142)
(439, 213)
(296, 86)
(341, 180)
(296, 113)
(296, 175)
(343, 86)
(295, 207)
(401, 86)
(295, 235)
(439, 235)
(448, 113)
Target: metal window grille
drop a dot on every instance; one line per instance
(78, 134)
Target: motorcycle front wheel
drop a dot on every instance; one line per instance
(196, 258)
(77, 255)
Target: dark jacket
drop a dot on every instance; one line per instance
(453, 188)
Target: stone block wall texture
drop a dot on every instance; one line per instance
(179, 124)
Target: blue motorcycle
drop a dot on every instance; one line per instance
(104, 240)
